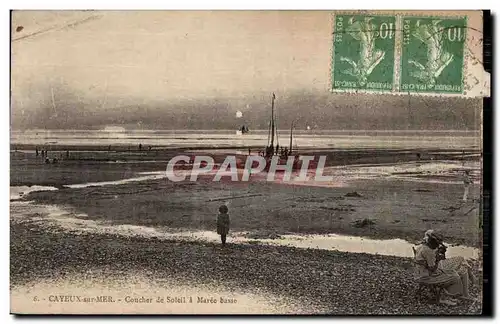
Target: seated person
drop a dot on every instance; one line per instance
(431, 270)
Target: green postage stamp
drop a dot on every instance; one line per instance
(363, 55)
(432, 57)
(398, 54)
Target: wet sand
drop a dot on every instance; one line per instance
(319, 279)
(394, 207)
(70, 220)
(96, 163)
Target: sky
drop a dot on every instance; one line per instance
(88, 68)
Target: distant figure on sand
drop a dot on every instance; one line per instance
(467, 182)
(36, 151)
(140, 146)
(223, 223)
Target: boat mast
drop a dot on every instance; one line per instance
(272, 121)
(291, 131)
(268, 132)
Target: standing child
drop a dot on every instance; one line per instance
(467, 183)
(223, 223)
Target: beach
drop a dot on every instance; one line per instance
(335, 141)
(301, 281)
(103, 213)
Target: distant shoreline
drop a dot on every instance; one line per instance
(256, 140)
(230, 131)
(211, 149)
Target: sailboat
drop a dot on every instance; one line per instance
(243, 130)
(285, 152)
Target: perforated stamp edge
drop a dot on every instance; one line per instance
(481, 86)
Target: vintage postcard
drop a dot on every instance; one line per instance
(247, 162)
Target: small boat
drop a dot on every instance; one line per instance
(243, 130)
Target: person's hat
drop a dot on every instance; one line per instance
(434, 235)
